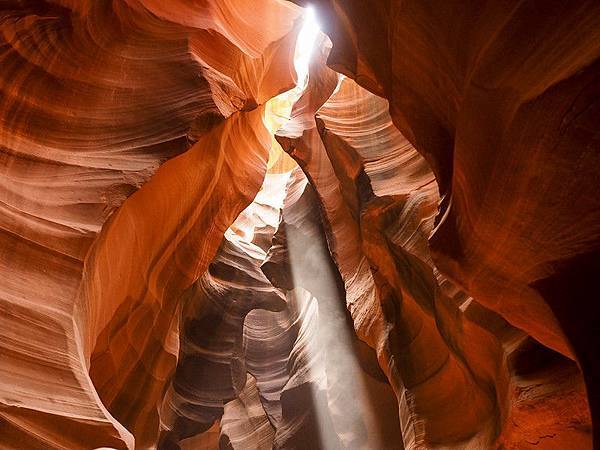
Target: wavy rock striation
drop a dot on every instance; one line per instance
(95, 97)
(443, 351)
(500, 100)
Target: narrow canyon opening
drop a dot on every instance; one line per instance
(296, 225)
(296, 311)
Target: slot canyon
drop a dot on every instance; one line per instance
(299, 225)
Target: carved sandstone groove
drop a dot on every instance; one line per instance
(95, 96)
(500, 100)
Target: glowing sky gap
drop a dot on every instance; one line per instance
(334, 337)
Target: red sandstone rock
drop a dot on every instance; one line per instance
(105, 93)
(500, 100)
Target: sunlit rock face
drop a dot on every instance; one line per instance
(223, 229)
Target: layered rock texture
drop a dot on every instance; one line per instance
(205, 244)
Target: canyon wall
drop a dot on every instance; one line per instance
(99, 237)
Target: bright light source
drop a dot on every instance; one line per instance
(278, 109)
(304, 47)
